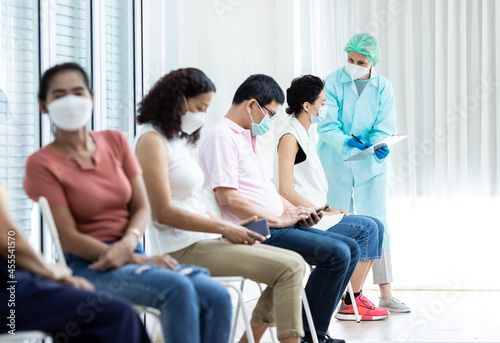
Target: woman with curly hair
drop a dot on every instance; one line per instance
(172, 114)
(96, 193)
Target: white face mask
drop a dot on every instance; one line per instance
(355, 71)
(71, 112)
(321, 114)
(190, 122)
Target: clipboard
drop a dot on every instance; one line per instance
(387, 141)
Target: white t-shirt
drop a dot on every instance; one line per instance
(186, 182)
(309, 179)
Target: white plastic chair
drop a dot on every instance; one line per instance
(25, 336)
(51, 226)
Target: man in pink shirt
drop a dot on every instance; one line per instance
(233, 169)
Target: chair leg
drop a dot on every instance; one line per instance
(246, 318)
(151, 320)
(155, 327)
(272, 332)
(237, 312)
(310, 321)
(353, 301)
(235, 322)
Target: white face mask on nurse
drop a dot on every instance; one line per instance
(358, 66)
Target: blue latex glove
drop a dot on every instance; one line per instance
(353, 143)
(382, 152)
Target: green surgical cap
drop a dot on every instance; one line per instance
(365, 44)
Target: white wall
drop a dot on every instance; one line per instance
(230, 40)
(160, 39)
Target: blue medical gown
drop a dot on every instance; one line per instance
(372, 116)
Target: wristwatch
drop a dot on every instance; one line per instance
(136, 232)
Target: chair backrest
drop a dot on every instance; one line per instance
(51, 226)
(211, 201)
(152, 247)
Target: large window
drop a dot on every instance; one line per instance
(117, 66)
(72, 32)
(18, 111)
(97, 34)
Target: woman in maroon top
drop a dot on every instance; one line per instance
(94, 186)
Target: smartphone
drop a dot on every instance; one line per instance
(323, 209)
(260, 226)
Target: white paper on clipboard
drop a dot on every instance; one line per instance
(328, 221)
(387, 141)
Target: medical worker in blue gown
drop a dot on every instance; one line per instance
(361, 103)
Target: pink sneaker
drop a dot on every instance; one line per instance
(366, 310)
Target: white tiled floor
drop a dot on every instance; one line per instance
(437, 316)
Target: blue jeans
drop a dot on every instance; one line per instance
(368, 232)
(335, 257)
(69, 314)
(194, 307)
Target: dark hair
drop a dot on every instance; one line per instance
(162, 106)
(51, 72)
(260, 87)
(303, 89)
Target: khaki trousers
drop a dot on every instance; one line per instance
(281, 270)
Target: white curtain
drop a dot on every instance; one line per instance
(443, 58)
